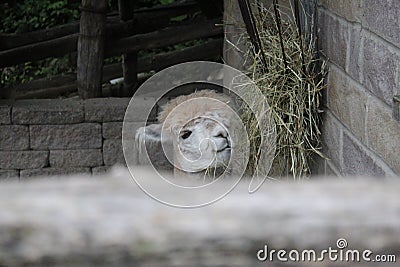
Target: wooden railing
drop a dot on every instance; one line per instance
(112, 35)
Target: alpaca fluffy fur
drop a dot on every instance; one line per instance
(187, 112)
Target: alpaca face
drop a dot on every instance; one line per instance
(202, 143)
(194, 131)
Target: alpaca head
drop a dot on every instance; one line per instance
(195, 130)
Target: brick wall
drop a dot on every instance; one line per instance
(56, 137)
(361, 39)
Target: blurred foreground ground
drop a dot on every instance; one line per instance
(109, 221)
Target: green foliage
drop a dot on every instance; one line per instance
(165, 2)
(112, 60)
(34, 70)
(179, 18)
(113, 4)
(31, 15)
(171, 48)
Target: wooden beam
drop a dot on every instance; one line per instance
(91, 48)
(129, 60)
(148, 19)
(33, 52)
(12, 40)
(67, 44)
(207, 51)
(61, 84)
(55, 81)
(211, 9)
(164, 37)
(49, 92)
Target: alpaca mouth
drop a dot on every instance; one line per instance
(224, 149)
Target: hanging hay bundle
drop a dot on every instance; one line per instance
(291, 77)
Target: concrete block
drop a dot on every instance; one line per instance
(9, 175)
(112, 130)
(317, 166)
(347, 100)
(324, 168)
(53, 172)
(331, 138)
(396, 107)
(47, 111)
(233, 44)
(357, 161)
(76, 158)
(353, 65)
(105, 109)
(380, 70)
(23, 159)
(5, 114)
(384, 134)
(382, 17)
(74, 136)
(350, 10)
(146, 110)
(100, 170)
(130, 129)
(113, 153)
(14, 137)
(333, 38)
(331, 169)
(154, 155)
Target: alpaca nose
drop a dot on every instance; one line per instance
(221, 133)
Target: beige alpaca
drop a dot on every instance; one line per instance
(195, 130)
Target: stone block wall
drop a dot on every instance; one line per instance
(361, 39)
(56, 137)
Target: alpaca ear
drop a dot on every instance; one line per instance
(153, 141)
(151, 134)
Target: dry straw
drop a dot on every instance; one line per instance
(293, 95)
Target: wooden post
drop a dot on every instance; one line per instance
(91, 48)
(129, 61)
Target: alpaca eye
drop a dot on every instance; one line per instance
(186, 134)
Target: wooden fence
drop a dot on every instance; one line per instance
(98, 36)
